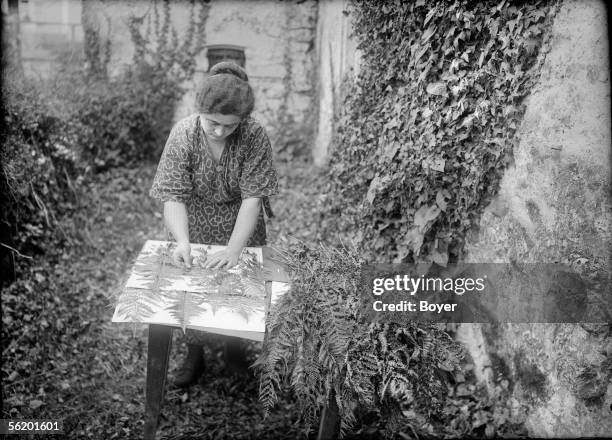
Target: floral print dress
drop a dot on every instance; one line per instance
(213, 191)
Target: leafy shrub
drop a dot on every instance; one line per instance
(126, 120)
(40, 166)
(319, 343)
(430, 124)
(59, 129)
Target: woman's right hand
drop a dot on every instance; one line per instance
(182, 255)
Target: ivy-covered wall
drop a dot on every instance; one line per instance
(430, 124)
(480, 131)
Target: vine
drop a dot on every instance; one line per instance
(430, 124)
(427, 131)
(97, 53)
(158, 49)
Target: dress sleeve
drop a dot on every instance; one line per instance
(258, 178)
(173, 180)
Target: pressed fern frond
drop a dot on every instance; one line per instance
(139, 305)
(186, 306)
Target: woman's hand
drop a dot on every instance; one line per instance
(182, 255)
(225, 259)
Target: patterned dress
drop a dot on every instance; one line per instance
(213, 191)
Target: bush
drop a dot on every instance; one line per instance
(125, 120)
(40, 166)
(319, 342)
(60, 129)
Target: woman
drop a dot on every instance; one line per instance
(214, 178)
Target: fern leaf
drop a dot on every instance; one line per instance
(139, 305)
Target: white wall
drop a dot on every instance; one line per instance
(336, 55)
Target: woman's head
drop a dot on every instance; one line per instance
(226, 91)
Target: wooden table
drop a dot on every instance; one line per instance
(158, 356)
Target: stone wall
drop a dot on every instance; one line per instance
(47, 32)
(554, 205)
(297, 54)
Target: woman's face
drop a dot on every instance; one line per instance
(217, 126)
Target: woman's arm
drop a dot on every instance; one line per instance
(175, 214)
(173, 185)
(243, 229)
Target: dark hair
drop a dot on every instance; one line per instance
(226, 91)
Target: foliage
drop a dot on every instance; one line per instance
(58, 131)
(119, 120)
(388, 185)
(318, 341)
(128, 117)
(162, 62)
(41, 170)
(300, 207)
(291, 139)
(61, 129)
(53, 315)
(97, 52)
(470, 410)
(430, 123)
(427, 131)
(62, 357)
(158, 46)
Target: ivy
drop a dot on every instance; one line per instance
(426, 133)
(430, 124)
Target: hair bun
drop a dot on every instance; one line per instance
(229, 68)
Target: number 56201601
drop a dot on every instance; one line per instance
(31, 426)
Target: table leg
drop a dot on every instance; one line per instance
(329, 427)
(160, 342)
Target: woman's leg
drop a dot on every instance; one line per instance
(193, 364)
(234, 355)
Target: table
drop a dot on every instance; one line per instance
(158, 356)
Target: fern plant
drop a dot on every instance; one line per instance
(320, 345)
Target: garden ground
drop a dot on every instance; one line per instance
(64, 359)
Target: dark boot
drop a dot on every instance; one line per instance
(192, 368)
(235, 357)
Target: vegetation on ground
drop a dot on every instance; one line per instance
(63, 358)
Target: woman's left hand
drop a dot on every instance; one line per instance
(225, 259)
